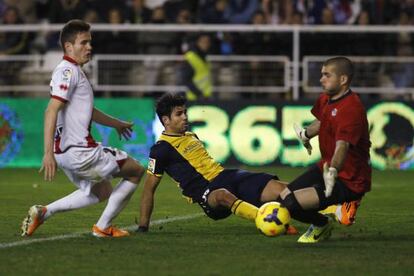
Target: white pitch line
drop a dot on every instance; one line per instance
(79, 234)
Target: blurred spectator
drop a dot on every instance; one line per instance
(212, 11)
(259, 73)
(3, 7)
(182, 39)
(26, 8)
(156, 43)
(173, 7)
(137, 12)
(12, 43)
(342, 10)
(240, 11)
(365, 44)
(402, 72)
(114, 42)
(196, 70)
(102, 7)
(61, 11)
(279, 11)
(315, 10)
(91, 16)
(153, 4)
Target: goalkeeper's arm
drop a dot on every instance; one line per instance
(147, 201)
(313, 129)
(305, 134)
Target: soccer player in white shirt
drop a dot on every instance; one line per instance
(69, 144)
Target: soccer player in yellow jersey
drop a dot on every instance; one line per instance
(220, 192)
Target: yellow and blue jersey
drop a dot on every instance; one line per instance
(185, 159)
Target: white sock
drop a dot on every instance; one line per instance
(116, 202)
(75, 200)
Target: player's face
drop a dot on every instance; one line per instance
(81, 50)
(178, 121)
(331, 82)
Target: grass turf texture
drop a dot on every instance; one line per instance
(380, 243)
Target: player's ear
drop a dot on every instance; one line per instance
(165, 120)
(67, 45)
(344, 79)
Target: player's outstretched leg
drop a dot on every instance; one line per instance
(131, 172)
(34, 219)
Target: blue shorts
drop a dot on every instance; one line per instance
(247, 186)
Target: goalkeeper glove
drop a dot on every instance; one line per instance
(301, 133)
(329, 177)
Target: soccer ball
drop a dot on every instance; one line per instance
(272, 219)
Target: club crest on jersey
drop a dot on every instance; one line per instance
(66, 74)
(333, 112)
(63, 87)
(151, 165)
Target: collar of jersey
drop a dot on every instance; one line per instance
(340, 98)
(172, 135)
(71, 60)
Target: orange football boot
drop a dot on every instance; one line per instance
(110, 232)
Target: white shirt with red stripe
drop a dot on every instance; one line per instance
(70, 85)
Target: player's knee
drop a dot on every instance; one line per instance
(136, 175)
(102, 192)
(134, 179)
(290, 202)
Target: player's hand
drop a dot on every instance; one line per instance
(329, 177)
(124, 129)
(301, 134)
(49, 166)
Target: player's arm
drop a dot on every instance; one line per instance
(305, 134)
(51, 114)
(147, 201)
(338, 159)
(123, 128)
(331, 172)
(313, 129)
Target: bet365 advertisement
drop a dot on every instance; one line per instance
(21, 129)
(252, 133)
(261, 133)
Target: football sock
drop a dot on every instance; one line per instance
(75, 200)
(116, 202)
(244, 209)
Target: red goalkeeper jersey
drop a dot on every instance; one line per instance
(345, 119)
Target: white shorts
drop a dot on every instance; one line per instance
(88, 166)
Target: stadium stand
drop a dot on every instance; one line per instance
(274, 49)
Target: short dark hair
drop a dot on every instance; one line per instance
(166, 104)
(343, 66)
(71, 29)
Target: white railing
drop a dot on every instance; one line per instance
(223, 67)
(291, 77)
(375, 66)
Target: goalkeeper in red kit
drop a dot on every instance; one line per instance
(343, 175)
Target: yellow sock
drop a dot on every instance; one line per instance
(244, 209)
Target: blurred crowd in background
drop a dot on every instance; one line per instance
(279, 12)
(255, 12)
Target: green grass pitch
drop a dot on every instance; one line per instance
(380, 243)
